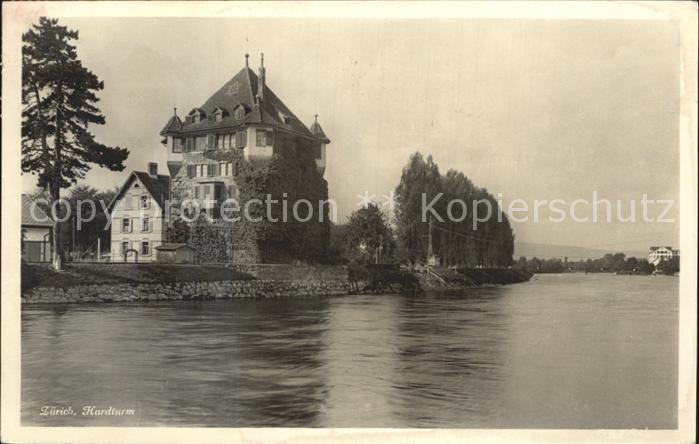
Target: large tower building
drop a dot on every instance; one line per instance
(244, 117)
(241, 127)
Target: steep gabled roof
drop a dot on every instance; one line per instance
(33, 215)
(242, 90)
(158, 188)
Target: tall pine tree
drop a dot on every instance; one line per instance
(58, 94)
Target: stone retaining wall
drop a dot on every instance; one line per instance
(294, 272)
(176, 291)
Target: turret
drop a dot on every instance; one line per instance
(319, 134)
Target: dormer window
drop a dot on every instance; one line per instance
(219, 114)
(283, 117)
(197, 115)
(239, 112)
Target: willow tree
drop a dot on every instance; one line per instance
(58, 95)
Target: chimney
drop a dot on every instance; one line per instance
(153, 170)
(261, 78)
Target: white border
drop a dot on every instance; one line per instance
(19, 15)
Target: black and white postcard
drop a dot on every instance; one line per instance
(349, 222)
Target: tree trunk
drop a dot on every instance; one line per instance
(57, 258)
(55, 187)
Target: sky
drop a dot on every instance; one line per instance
(528, 109)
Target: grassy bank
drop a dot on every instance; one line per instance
(42, 275)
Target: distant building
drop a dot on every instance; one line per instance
(36, 232)
(657, 254)
(139, 217)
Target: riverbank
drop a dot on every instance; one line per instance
(105, 274)
(183, 291)
(93, 282)
(448, 278)
(107, 282)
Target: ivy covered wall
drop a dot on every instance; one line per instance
(289, 175)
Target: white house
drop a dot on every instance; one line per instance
(657, 254)
(139, 216)
(36, 232)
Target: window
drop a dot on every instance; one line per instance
(283, 117)
(219, 116)
(189, 144)
(145, 248)
(191, 172)
(145, 224)
(219, 141)
(126, 225)
(317, 152)
(209, 170)
(200, 143)
(260, 137)
(223, 169)
(263, 138)
(240, 113)
(197, 116)
(177, 145)
(230, 141)
(196, 191)
(145, 202)
(236, 171)
(211, 142)
(199, 171)
(124, 247)
(240, 139)
(206, 191)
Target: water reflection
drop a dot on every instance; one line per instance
(569, 351)
(445, 359)
(281, 376)
(361, 347)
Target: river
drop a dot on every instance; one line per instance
(561, 351)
